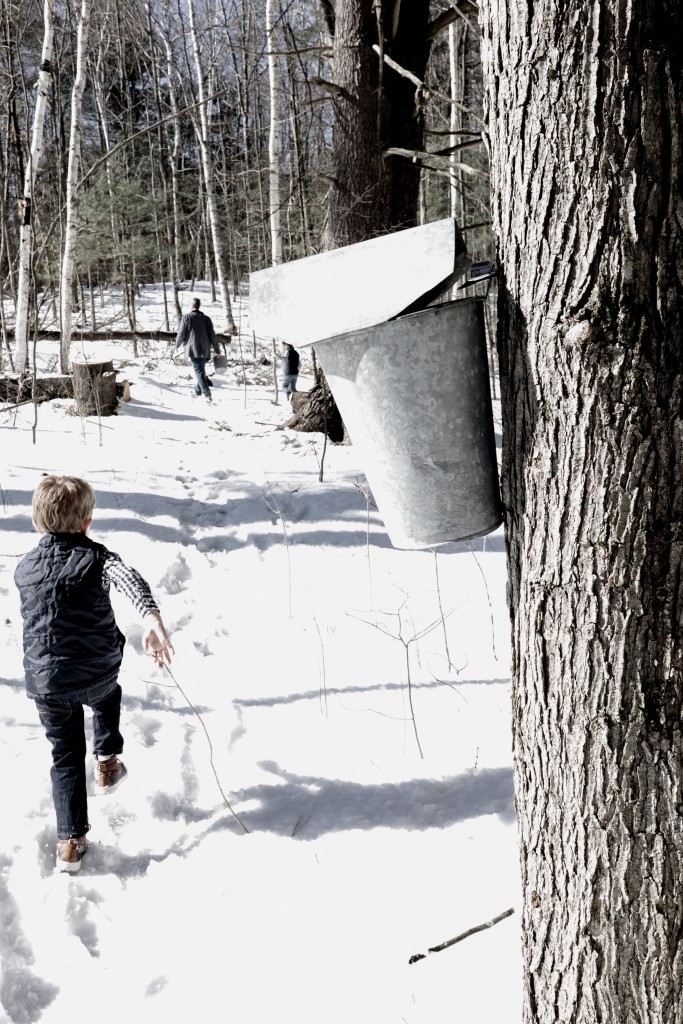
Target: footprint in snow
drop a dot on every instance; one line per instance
(23, 994)
(77, 914)
(176, 576)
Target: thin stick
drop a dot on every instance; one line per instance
(323, 686)
(208, 739)
(276, 400)
(275, 509)
(443, 617)
(488, 598)
(465, 935)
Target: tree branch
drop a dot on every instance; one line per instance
(427, 90)
(464, 935)
(339, 90)
(445, 19)
(420, 157)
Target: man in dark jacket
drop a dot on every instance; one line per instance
(196, 333)
(290, 368)
(73, 649)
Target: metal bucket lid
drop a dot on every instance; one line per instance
(357, 286)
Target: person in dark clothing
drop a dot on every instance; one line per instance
(290, 369)
(73, 649)
(196, 333)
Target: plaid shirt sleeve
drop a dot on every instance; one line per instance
(128, 582)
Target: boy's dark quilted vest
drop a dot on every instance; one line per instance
(71, 640)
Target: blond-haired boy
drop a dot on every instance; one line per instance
(73, 649)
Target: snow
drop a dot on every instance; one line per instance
(287, 708)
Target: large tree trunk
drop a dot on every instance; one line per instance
(585, 117)
(374, 109)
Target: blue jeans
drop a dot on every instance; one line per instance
(289, 383)
(62, 718)
(202, 385)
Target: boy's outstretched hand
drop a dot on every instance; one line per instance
(156, 640)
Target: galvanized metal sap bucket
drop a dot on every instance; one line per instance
(414, 394)
(411, 380)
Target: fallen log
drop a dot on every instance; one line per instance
(16, 391)
(106, 334)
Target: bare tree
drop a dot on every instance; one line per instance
(203, 138)
(274, 134)
(32, 169)
(71, 226)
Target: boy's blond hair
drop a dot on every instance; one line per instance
(62, 504)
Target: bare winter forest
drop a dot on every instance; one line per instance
(150, 140)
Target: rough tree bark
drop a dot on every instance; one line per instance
(375, 108)
(585, 118)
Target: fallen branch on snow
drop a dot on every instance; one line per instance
(465, 935)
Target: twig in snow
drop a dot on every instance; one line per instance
(368, 501)
(443, 617)
(208, 739)
(244, 370)
(275, 509)
(322, 457)
(323, 686)
(464, 935)
(488, 598)
(276, 400)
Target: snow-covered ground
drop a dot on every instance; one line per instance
(287, 712)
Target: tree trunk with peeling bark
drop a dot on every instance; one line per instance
(585, 122)
(274, 201)
(32, 170)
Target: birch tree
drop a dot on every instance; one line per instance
(204, 140)
(176, 152)
(585, 120)
(456, 32)
(71, 226)
(273, 135)
(32, 170)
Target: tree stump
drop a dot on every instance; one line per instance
(316, 411)
(94, 388)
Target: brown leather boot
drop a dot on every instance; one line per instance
(70, 853)
(109, 774)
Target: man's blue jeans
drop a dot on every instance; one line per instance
(62, 718)
(202, 385)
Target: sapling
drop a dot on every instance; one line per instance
(323, 685)
(443, 617)
(488, 598)
(406, 647)
(365, 491)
